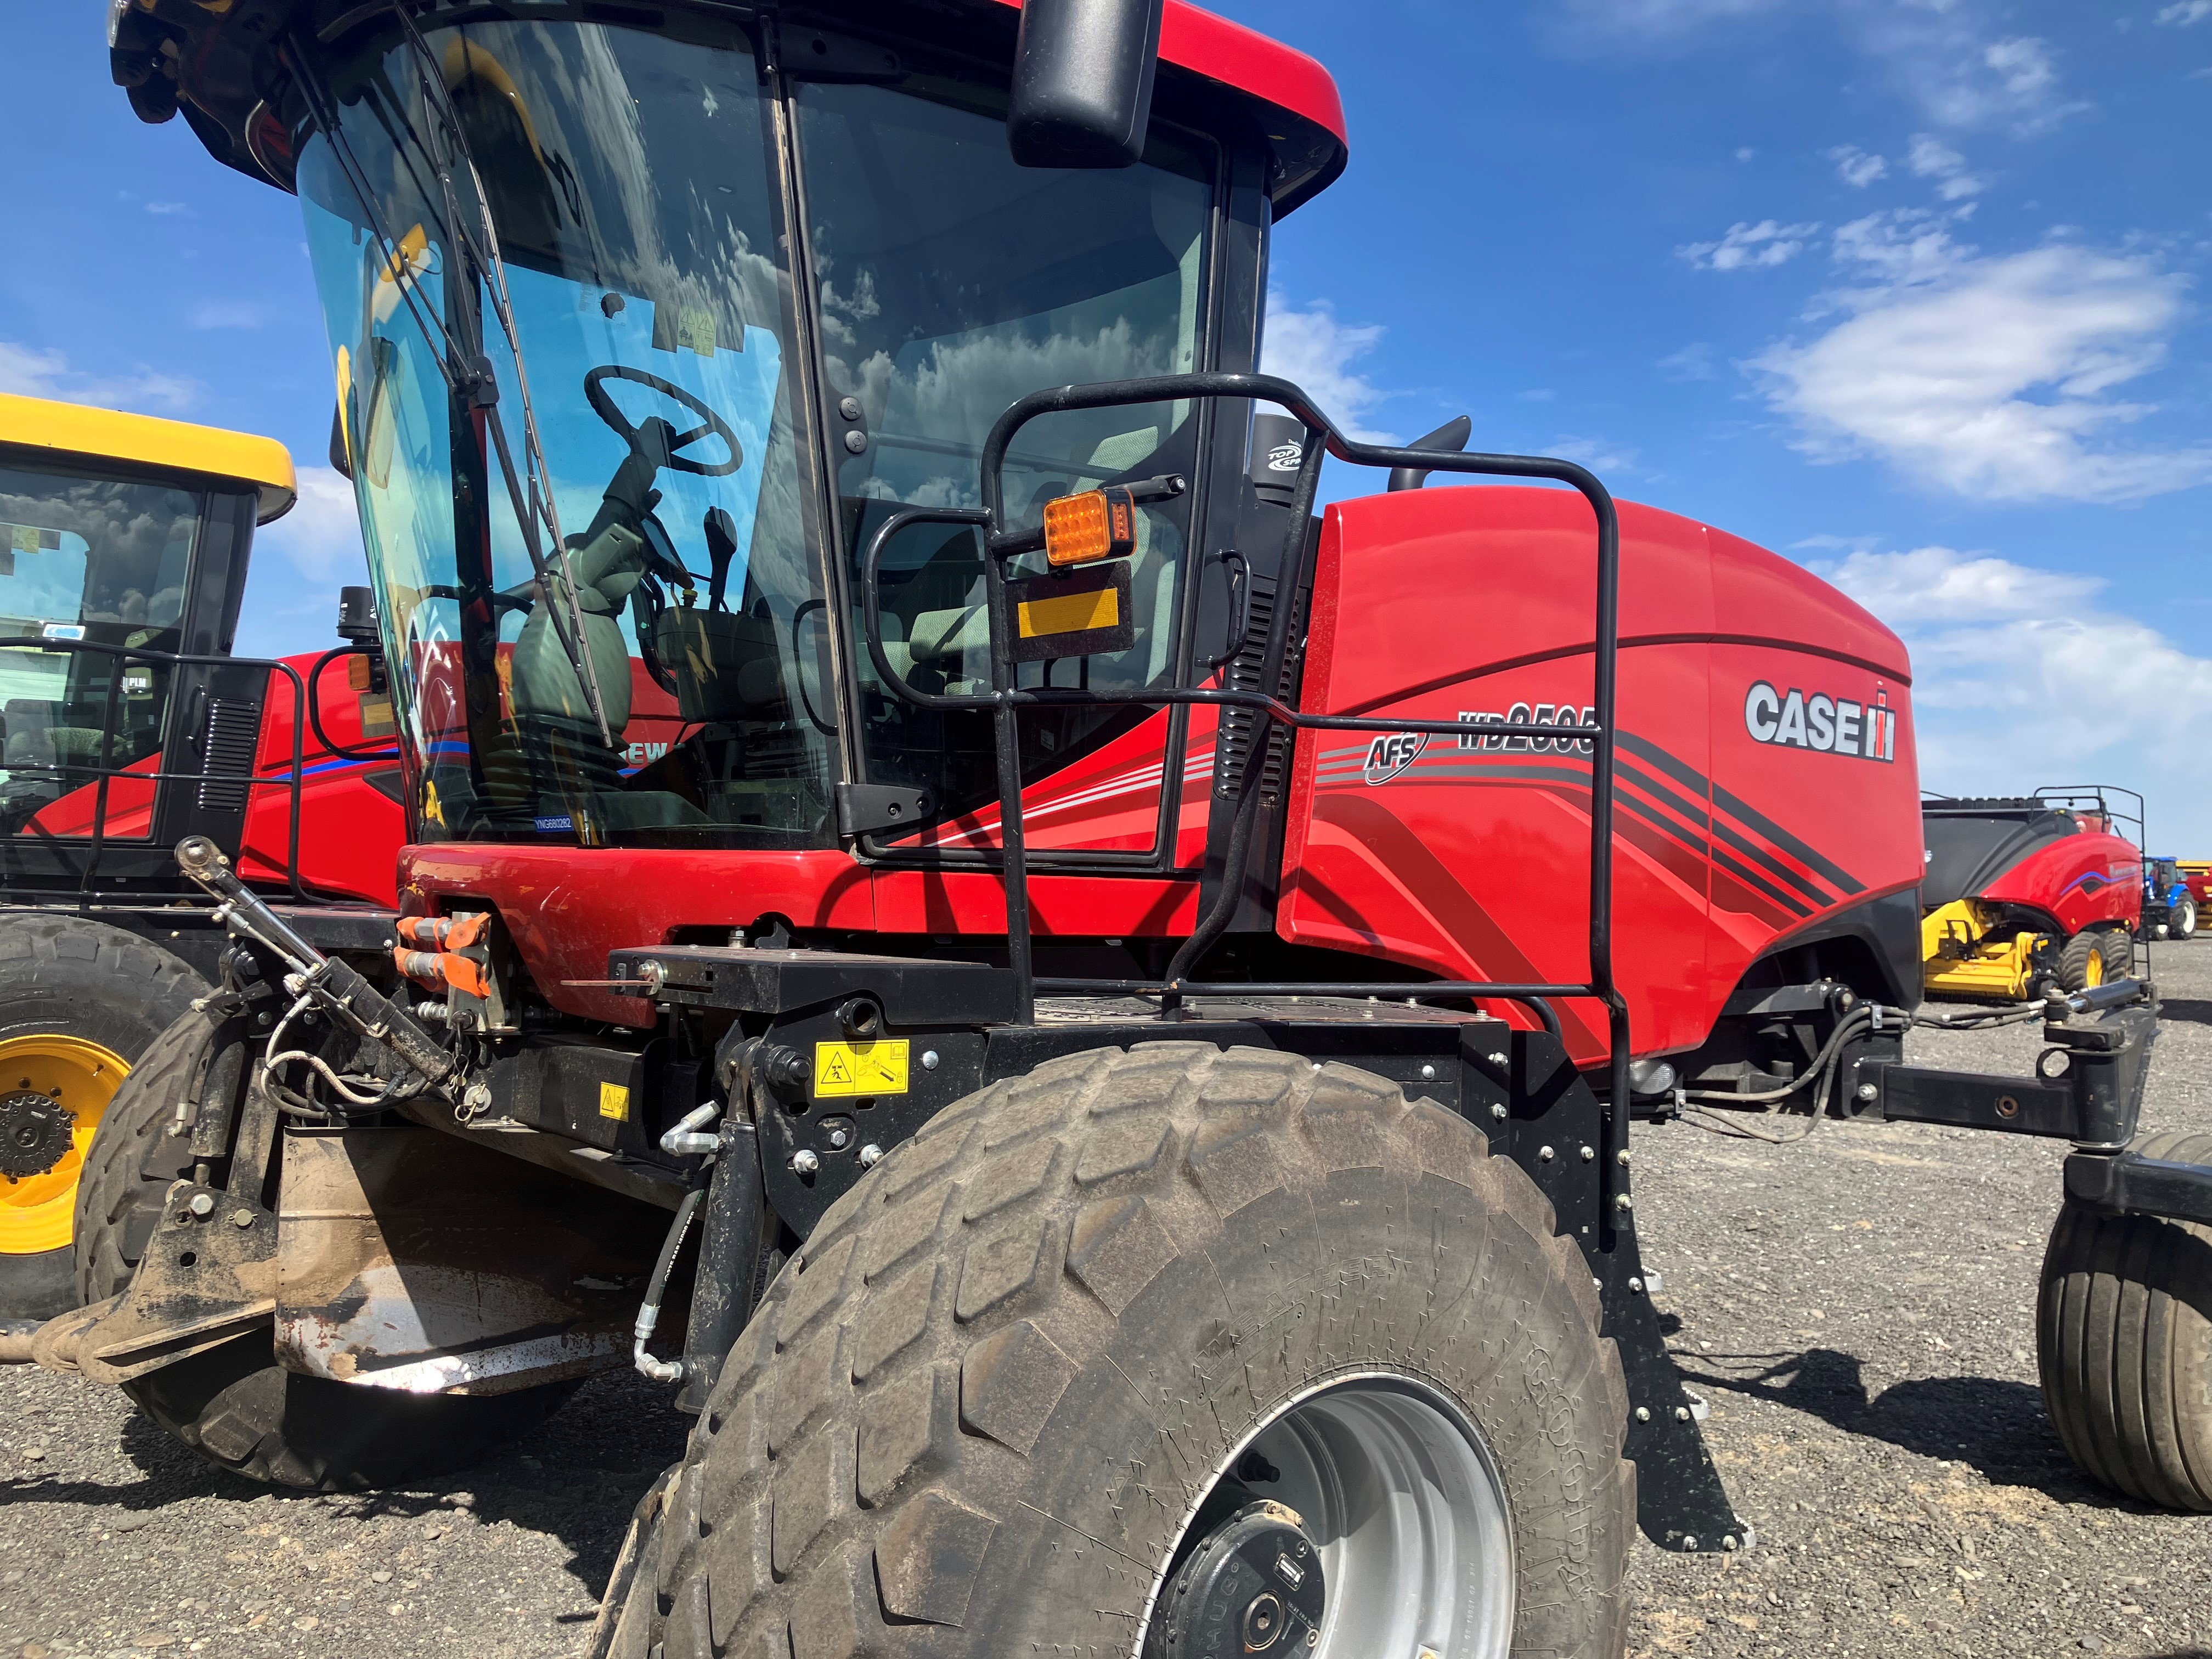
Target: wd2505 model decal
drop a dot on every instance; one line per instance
(1829, 726)
(1522, 714)
(1391, 753)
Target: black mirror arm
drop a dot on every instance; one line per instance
(1452, 434)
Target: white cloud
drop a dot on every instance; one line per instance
(1931, 158)
(1597, 454)
(1950, 57)
(1855, 167)
(2021, 678)
(320, 536)
(293, 605)
(2183, 13)
(166, 208)
(1746, 153)
(1986, 377)
(1313, 350)
(1694, 361)
(1748, 246)
(31, 372)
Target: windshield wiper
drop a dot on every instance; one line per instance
(470, 375)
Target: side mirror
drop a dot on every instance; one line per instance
(1083, 82)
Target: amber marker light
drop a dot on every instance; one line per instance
(1099, 524)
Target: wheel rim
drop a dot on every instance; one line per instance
(1407, 1512)
(38, 1211)
(2093, 971)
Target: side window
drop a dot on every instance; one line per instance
(85, 561)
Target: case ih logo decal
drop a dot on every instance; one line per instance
(1831, 726)
(1522, 714)
(1391, 753)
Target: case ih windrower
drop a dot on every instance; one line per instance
(1088, 1039)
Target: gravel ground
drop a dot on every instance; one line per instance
(1860, 1311)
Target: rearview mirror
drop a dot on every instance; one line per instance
(1083, 82)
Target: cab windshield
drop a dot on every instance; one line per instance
(663, 674)
(658, 676)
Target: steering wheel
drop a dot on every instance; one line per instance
(603, 406)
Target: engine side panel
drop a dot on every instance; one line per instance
(1469, 856)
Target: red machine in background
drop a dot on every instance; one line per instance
(2021, 892)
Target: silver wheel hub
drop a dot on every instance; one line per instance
(1365, 1519)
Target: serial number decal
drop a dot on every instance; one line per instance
(1522, 714)
(1817, 721)
(843, 1070)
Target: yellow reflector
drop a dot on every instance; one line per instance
(1069, 613)
(1099, 524)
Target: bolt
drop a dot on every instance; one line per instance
(838, 1138)
(241, 1218)
(806, 1161)
(1689, 1542)
(1624, 1202)
(1545, 1154)
(1621, 1158)
(929, 1059)
(652, 976)
(1644, 1414)
(1681, 1414)
(1729, 1542)
(850, 407)
(1868, 1092)
(1635, 1287)
(857, 442)
(203, 1204)
(1428, 1072)
(1589, 1152)
(1497, 1060)
(871, 1155)
(1498, 1111)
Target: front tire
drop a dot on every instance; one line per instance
(2181, 920)
(2124, 1331)
(233, 1404)
(80, 1002)
(1030, 1368)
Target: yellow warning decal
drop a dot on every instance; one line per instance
(614, 1102)
(1069, 613)
(843, 1070)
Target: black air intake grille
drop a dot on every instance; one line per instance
(233, 732)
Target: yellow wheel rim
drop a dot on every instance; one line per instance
(39, 1212)
(2094, 973)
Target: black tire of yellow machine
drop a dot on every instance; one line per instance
(233, 1404)
(993, 1403)
(2124, 1331)
(2095, 956)
(70, 977)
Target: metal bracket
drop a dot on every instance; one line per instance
(2128, 1183)
(867, 809)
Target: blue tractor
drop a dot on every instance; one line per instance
(2169, 908)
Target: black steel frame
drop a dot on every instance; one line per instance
(1006, 700)
(106, 771)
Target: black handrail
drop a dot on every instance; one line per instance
(108, 770)
(1004, 699)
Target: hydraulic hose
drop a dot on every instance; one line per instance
(649, 1313)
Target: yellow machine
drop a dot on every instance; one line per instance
(1966, 952)
(116, 531)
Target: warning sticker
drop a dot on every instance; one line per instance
(614, 1102)
(844, 1070)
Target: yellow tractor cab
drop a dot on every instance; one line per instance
(124, 541)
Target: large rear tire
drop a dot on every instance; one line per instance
(80, 1001)
(1019, 1390)
(2124, 1328)
(2181, 920)
(233, 1404)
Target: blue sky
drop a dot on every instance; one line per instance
(1907, 289)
